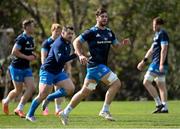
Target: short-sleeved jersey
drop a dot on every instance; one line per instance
(160, 38)
(25, 44)
(46, 45)
(99, 42)
(59, 54)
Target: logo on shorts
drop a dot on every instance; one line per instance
(17, 77)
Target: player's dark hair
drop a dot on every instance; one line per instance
(65, 28)
(100, 11)
(159, 21)
(27, 22)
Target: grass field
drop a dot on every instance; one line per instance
(131, 114)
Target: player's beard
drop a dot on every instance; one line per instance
(104, 23)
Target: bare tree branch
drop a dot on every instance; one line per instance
(33, 11)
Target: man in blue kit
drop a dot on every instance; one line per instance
(158, 67)
(20, 70)
(52, 72)
(99, 39)
(46, 46)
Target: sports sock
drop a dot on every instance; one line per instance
(33, 108)
(105, 108)
(157, 101)
(20, 106)
(57, 107)
(67, 110)
(58, 93)
(165, 108)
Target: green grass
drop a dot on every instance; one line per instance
(131, 114)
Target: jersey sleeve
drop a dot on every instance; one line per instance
(164, 39)
(86, 36)
(114, 39)
(19, 42)
(44, 46)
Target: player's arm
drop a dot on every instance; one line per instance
(44, 54)
(145, 59)
(16, 52)
(163, 54)
(124, 42)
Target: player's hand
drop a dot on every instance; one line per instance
(140, 66)
(126, 41)
(161, 68)
(83, 60)
(30, 57)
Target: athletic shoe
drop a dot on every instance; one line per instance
(158, 109)
(5, 107)
(64, 118)
(19, 113)
(45, 112)
(164, 111)
(31, 119)
(44, 104)
(106, 115)
(57, 112)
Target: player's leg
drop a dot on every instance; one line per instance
(88, 87)
(17, 80)
(161, 84)
(29, 90)
(44, 90)
(45, 87)
(58, 102)
(148, 78)
(12, 94)
(111, 80)
(64, 86)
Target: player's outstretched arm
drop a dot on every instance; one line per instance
(124, 42)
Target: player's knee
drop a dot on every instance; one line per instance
(116, 84)
(83, 93)
(70, 91)
(42, 96)
(146, 82)
(17, 91)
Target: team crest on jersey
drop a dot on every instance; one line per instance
(27, 42)
(98, 35)
(110, 34)
(105, 38)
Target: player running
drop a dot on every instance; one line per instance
(52, 72)
(99, 39)
(46, 46)
(20, 71)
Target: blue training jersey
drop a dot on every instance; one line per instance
(59, 54)
(160, 38)
(46, 45)
(99, 42)
(25, 44)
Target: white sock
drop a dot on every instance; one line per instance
(105, 108)
(20, 106)
(6, 100)
(67, 110)
(165, 108)
(57, 107)
(157, 101)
